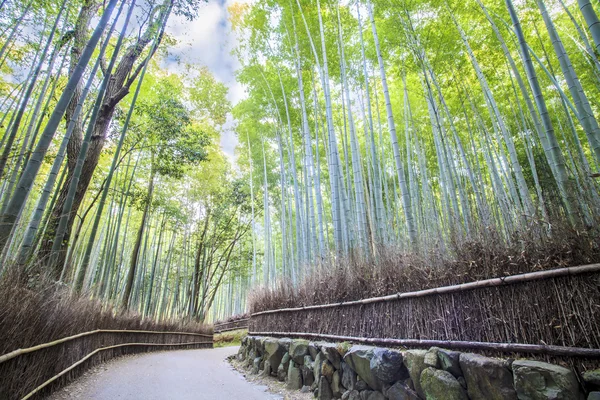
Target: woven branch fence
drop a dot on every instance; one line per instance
(232, 325)
(24, 373)
(528, 313)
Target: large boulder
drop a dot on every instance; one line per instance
(267, 369)
(256, 365)
(325, 392)
(314, 348)
(487, 378)
(308, 376)
(332, 354)
(336, 384)
(327, 370)
(400, 391)
(348, 377)
(450, 361)
(359, 359)
(285, 343)
(294, 378)
(387, 365)
(431, 358)
(318, 364)
(274, 352)
(441, 385)
(281, 373)
(593, 396)
(415, 363)
(298, 349)
(536, 380)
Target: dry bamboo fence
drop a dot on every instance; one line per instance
(232, 326)
(555, 312)
(87, 348)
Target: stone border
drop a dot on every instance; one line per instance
(358, 372)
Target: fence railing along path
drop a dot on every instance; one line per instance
(232, 325)
(199, 340)
(553, 312)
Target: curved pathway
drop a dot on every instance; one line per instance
(177, 375)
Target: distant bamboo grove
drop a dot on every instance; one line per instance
(366, 126)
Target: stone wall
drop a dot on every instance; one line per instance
(356, 372)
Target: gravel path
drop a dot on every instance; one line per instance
(177, 375)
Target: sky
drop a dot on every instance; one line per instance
(209, 41)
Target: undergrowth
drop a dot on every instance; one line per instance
(391, 270)
(231, 338)
(49, 311)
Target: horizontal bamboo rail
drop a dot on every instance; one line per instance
(64, 371)
(449, 344)
(502, 281)
(238, 324)
(19, 352)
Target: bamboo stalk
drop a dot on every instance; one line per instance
(19, 352)
(49, 381)
(450, 344)
(502, 281)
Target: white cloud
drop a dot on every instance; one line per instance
(209, 41)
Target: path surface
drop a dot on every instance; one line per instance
(177, 375)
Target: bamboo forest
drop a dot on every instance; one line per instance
(374, 146)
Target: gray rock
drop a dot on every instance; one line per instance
(449, 361)
(260, 345)
(487, 378)
(359, 359)
(294, 379)
(274, 352)
(250, 357)
(536, 380)
(327, 370)
(594, 396)
(307, 375)
(336, 384)
(305, 389)
(285, 343)
(364, 395)
(317, 364)
(375, 396)
(592, 378)
(348, 376)
(441, 385)
(314, 348)
(351, 395)
(281, 373)
(256, 365)
(387, 365)
(261, 366)
(266, 369)
(400, 391)
(308, 362)
(298, 349)
(372, 395)
(325, 392)
(241, 354)
(415, 363)
(285, 361)
(332, 354)
(431, 358)
(360, 385)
